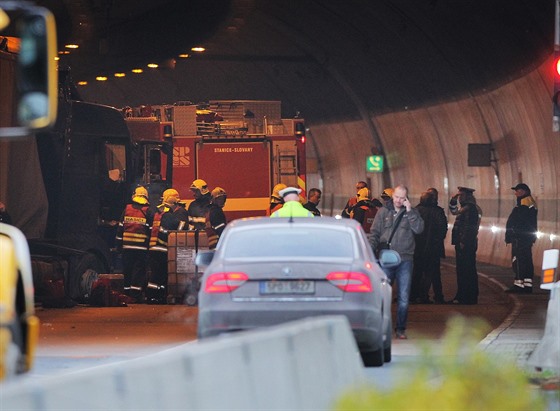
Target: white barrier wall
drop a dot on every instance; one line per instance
(300, 365)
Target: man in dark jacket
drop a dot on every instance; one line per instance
(521, 233)
(409, 223)
(215, 218)
(313, 199)
(429, 250)
(198, 208)
(464, 237)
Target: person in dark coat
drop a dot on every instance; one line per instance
(198, 207)
(464, 237)
(353, 200)
(4, 216)
(429, 250)
(215, 218)
(521, 233)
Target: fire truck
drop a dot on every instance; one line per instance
(243, 146)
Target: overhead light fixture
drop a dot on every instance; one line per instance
(184, 55)
(63, 52)
(153, 65)
(101, 78)
(120, 75)
(71, 46)
(198, 49)
(137, 70)
(82, 83)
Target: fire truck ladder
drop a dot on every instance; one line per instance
(286, 162)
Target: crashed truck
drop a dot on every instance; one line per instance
(67, 186)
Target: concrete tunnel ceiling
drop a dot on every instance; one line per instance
(329, 60)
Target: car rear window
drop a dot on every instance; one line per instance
(288, 242)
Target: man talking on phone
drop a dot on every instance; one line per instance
(395, 225)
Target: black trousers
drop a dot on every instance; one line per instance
(134, 268)
(522, 260)
(467, 277)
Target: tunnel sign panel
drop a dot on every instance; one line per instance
(374, 164)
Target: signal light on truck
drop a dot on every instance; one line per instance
(300, 131)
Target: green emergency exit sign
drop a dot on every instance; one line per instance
(374, 164)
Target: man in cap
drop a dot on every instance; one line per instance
(292, 206)
(197, 208)
(133, 235)
(353, 200)
(170, 215)
(464, 237)
(215, 217)
(521, 233)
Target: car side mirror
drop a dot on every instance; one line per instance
(36, 74)
(389, 258)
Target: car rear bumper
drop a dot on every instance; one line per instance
(366, 325)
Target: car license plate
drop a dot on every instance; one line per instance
(287, 287)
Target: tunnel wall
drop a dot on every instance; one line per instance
(429, 147)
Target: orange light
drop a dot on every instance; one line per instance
(137, 70)
(82, 83)
(120, 74)
(558, 67)
(198, 49)
(548, 276)
(101, 78)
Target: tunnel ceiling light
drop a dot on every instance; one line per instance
(82, 83)
(101, 78)
(71, 46)
(198, 49)
(63, 52)
(137, 70)
(153, 65)
(184, 55)
(120, 74)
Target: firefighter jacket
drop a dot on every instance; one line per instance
(197, 212)
(521, 225)
(364, 212)
(133, 232)
(167, 218)
(215, 224)
(292, 209)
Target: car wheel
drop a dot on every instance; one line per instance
(387, 354)
(373, 358)
(13, 361)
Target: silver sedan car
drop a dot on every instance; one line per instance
(267, 271)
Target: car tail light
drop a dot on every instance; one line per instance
(351, 282)
(224, 282)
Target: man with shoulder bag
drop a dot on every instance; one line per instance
(394, 227)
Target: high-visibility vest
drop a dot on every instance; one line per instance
(292, 209)
(134, 228)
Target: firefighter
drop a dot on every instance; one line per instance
(365, 209)
(170, 215)
(292, 205)
(132, 239)
(197, 208)
(276, 200)
(215, 217)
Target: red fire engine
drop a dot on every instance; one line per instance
(242, 146)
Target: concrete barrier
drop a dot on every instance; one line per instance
(301, 365)
(547, 353)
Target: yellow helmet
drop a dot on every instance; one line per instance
(218, 192)
(170, 196)
(276, 191)
(200, 185)
(140, 195)
(388, 192)
(363, 194)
